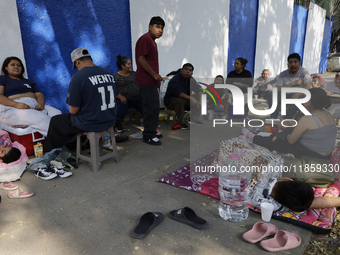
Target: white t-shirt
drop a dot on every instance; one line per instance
(330, 86)
(285, 78)
(261, 193)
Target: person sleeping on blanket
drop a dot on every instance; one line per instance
(8, 151)
(314, 135)
(288, 195)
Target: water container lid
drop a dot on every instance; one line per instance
(235, 155)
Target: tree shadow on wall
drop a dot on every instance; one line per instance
(52, 29)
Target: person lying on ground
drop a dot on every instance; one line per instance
(288, 195)
(10, 152)
(313, 136)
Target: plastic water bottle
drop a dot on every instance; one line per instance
(106, 140)
(233, 189)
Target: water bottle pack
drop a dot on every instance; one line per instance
(233, 189)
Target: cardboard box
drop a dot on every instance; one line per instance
(28, 137)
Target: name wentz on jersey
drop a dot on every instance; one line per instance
(101, 78)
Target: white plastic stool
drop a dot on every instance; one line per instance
(96, 148)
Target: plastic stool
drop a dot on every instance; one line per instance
(96, 148)
(173, 113)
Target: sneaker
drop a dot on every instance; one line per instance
(153, 141)
(138, 135)
(60, 172)
(45, 175)
(159, 136)
(199, 123)
(195, 122)
(184, 126)
(119, 127)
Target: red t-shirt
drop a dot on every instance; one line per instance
(147, 47)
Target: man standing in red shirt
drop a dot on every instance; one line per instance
(148, 78)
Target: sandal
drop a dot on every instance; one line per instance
(19, 193)
(6, 185)
(259, 231)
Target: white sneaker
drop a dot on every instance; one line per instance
(195, 122)
(138, 135)
(60, 172)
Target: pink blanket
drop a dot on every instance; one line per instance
(23, 157)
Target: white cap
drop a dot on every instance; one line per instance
(79, 53)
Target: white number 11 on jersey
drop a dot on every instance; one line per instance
(112, 103)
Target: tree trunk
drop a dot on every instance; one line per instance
(334, 39)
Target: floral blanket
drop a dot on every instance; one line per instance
(199, 177)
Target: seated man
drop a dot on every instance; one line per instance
(294, 76)
(264, 84)
(334, 87)
(91, 99)
(178, 95)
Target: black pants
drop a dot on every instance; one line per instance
(60, 131)
(134, 102)
(297, 149)
(150, 96)
(291, 108)
(179, 105)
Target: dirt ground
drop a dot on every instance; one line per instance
(326, 244)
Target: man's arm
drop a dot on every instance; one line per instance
(192, 99)
(73, 110)
(145, 64)
(295, 83)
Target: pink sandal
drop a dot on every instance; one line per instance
(6, 185)
(19, 193)
(259, 231)
(283, 240)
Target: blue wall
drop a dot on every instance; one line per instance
(299, 24)
(326, 41)
(242, 32)
(52, 29)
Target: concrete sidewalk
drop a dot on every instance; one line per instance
(94, 213)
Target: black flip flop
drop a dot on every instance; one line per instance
(187, 216)
(146, 223)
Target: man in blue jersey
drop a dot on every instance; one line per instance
(91, 99)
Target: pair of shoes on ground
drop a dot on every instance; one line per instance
(153, 141)
(18, 193)
(56, 169)
(283, 240)
(151, 219)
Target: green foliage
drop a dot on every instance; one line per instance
(325, 4)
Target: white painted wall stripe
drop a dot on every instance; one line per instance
(10, 35)
(273, 36)
(195, 32)
(313, 39)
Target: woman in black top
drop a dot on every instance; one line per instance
(241, 78)
(128, 91)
